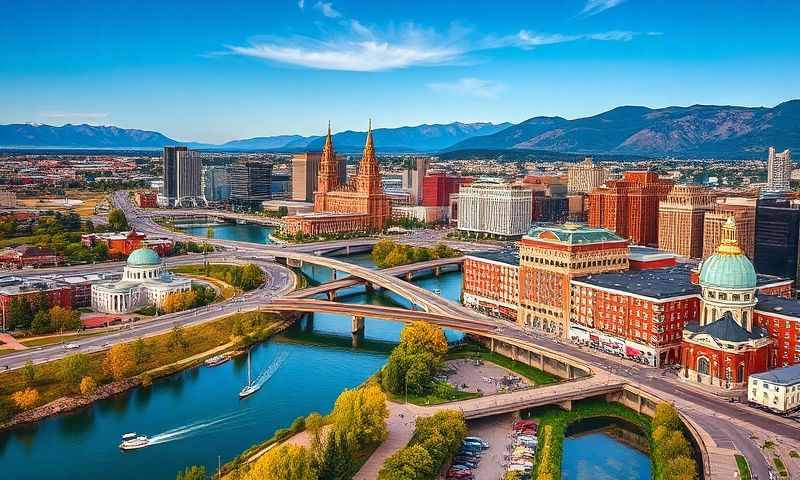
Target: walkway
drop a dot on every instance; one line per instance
(11, 343)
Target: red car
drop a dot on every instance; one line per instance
(459, 474)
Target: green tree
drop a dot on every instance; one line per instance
(673, 446)
(337, 459)
(251, 277)
(360, 416)
(194, 472)
(20, 313)
(314, 424)
(73, 369)
(140, 351)
(41, 322)
(177, 339)
(29, 374)
(117, 220)
(681, 468)
(41, 302)
(410, 463)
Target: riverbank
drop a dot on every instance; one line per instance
(140, 361)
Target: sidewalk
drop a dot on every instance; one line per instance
(11, 342)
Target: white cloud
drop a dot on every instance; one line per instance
(593, 7)
(527, 39)
(76, 115)
(301, 4)
(327, 9)
(469, 87)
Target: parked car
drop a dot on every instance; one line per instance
(478, 440)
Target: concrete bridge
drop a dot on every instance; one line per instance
(217, 215)
(406, 272)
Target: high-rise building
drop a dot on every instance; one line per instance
(216, 184)
(585, 176)
(629, 206)
(281, 185)
(779, 171)
(414, 170)
(498, 209)
(550, 257)
(304, 174)
(360, 205)
(777, 237)
(680, 220)
(251, 183)
(438, 187)
(182, 171)
(743, 211)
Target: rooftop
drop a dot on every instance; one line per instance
(510, 257)
(572, 233)
(726, 329)
(782, 376)
(649, 254)
(781, 305)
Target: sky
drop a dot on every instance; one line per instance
(213, 71)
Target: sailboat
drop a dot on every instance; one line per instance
(251, 387)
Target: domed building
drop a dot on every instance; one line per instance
(144, 282)
(725, 346)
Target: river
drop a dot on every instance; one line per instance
(604, 448)
(247, 232)
(197, 412)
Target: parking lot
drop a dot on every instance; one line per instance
(485, 378)
(497, 431)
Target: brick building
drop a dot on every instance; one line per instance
(123, 243)
(29, 256)
(14, 288)
(491, 283)
(550, 257)
(743, 211)
(629, 207)
(437, 187)
(680, 220)
(360, 205)
(146, 199)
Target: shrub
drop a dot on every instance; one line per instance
(88, 386)
(26, 399)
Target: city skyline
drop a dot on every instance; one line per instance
(198, 74)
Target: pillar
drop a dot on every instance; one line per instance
(570, 371)
(347, 250)
(409, 276)
(566, 405)
(357, 324)
(331, 295)
(492, 345)
(437, 271)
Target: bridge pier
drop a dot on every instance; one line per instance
(357, 324)
(437, 271)
(408, 276)
(566, 405)
(332, 295)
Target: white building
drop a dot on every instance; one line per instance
(585, 176)
(779, 171)
(144, 282)
(499, 209)
(777, 389)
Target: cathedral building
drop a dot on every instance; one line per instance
(359, 205)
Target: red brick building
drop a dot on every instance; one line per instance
(123, 243)
(438, 186)
(57, 294)
(629, 207)
(29, 256)
(146, 199)
(491, 283)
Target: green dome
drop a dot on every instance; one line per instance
(143, 257)
(728, 271)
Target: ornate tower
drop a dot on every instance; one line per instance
(328, 176)
(368, 179)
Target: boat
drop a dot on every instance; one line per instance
(216, 360)
(251, 387)
(132, 441)
(437, 291)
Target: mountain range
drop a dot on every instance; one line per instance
(698, 131)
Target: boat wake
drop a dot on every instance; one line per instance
(223, 422)
(270, 371)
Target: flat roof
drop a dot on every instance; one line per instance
(779, 305)
(644, 254)
(510, 257)
(782, 376)
(655, 283)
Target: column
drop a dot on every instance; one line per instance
(357, 324)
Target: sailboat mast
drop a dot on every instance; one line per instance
(249, 381)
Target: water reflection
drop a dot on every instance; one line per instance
(605, 448)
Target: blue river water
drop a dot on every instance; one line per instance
(614, 451)
(233, 231)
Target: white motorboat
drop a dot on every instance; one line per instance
(217, 360)
(437, 291)
(132, 441)
(251, 387)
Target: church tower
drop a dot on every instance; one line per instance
(328, 176)
(368, 179)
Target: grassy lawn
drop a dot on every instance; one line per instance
(159, 351)
(226, 290)
(780, 467)
(744, 469)
(470, 350)
(51, 339)
(432, 398)
(227, 274)
(553, 422)
(31, 239)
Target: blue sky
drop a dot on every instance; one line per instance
(215, 71)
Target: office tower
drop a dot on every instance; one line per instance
(680, 220)
(216, 184)
(170, 189)
(438, 187)
(629, 206)
(182, 171)
(777, 236)
(304, 174)
(743, 211)
(251, 183)
(503, 210)
(550, 202)
(779, 171)
(281, 185)
(414, 172)
(585, 176)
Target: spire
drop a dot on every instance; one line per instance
(368, 179)
(729, 243)
(369, 136)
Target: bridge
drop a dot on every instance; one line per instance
(216, 215)
(407, 272)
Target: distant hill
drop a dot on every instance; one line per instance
(696, 131)
(79, 136)
(268, 143)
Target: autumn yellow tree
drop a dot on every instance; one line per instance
(119, 361)
(426, 336)
(360, 416)
(88, 386)
(178, 301)
(26, 399)
(286, 462)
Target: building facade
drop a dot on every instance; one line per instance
(304, 174)
(437, 187)
(30, 289)
(777, 237)
(779, 171)
(216, 184)
(777, 390)
(414, 172)
(550, 257)
(585, 176)
(629, 206)
(146, 199)
(497, 209)
(182, 172)
(680, 220)
(491, 284)
(251, 183)
(8, 200)
(360, 205)
(145, 281)
(743, 213)
(29, 256)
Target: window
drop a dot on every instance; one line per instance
(702, 365)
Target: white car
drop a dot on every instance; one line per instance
(71, 346)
